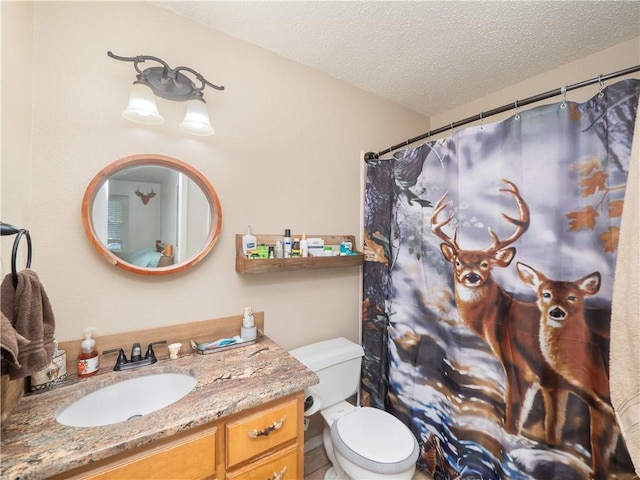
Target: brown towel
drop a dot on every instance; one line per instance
(28, 309)
(10, 341)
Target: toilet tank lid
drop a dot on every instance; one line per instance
(317, 356)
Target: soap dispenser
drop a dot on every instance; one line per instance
(88, 358)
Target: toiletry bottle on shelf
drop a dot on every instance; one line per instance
(249, 242)
(295, 248)
(304, 246)
(287, 243)
(248, 332)
(346, 247)
(88, 358)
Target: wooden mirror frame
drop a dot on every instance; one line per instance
(161, 161)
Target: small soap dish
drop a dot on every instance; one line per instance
(220, 345)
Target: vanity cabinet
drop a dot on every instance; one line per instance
(265, 265)
(265, 443)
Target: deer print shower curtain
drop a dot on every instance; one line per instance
(489, 266)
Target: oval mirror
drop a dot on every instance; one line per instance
(151, 214)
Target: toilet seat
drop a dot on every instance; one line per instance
(375, 440)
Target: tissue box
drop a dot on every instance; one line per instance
(316, 247)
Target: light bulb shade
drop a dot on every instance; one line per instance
(196, 120)
(142, 106)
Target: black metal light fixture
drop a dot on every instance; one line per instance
(169, 83)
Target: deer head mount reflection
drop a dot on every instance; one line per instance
(145, 197)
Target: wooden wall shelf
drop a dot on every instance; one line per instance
(259, 265)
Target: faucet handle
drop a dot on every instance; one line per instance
(150, 353)
(122, 358)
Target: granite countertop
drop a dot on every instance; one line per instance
(34, 445)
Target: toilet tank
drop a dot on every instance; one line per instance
(337, 363)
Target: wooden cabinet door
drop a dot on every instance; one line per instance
(189, 458)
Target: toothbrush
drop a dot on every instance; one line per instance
(223, 342)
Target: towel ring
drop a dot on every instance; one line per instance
(7, 229)
(14, 255)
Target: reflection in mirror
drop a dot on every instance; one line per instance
(151, 214)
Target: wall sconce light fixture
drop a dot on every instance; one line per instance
(169, 83)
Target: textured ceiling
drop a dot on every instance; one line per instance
(429, 56)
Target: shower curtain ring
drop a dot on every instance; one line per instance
(563, 90)
(600, 86)
(517, 117)
(481, 121)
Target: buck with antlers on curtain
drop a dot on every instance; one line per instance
(489, 266)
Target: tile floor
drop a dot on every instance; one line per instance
(316, 464)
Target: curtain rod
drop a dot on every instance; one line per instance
(504, 108)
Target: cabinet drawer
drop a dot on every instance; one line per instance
(254, 434)
(282, 465)
(188, 458)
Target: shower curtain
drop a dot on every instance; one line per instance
(489, 265)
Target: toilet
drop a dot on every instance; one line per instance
(362, 443)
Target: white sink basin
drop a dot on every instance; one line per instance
(126, 400)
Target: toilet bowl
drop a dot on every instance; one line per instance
(362, 443)
(368, 443)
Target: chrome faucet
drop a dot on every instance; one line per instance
(136, 356)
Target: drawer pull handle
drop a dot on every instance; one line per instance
(278, 476)
(267, 430)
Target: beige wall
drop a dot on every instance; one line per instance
(286, 154)
(16, 106)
